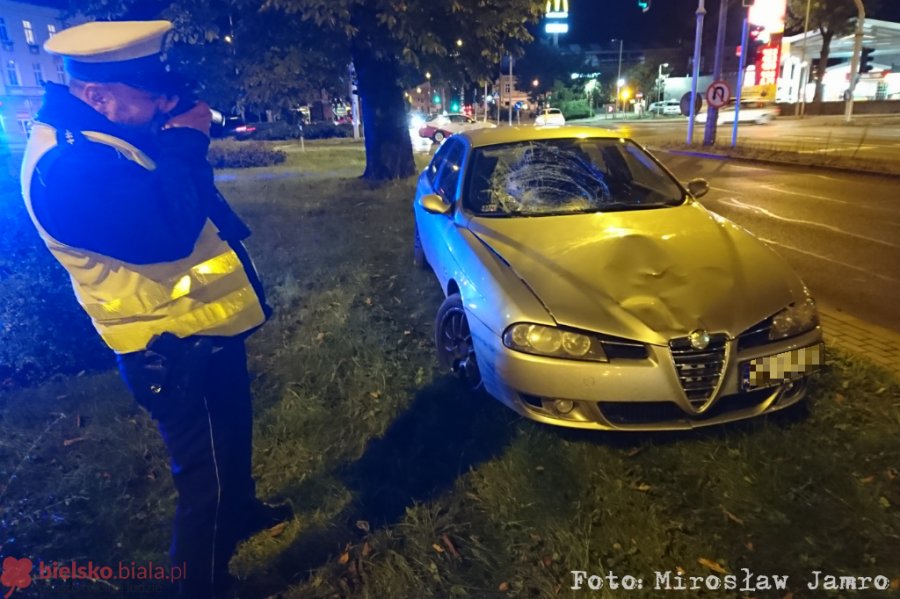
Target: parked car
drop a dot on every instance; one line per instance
(550, 117)
(586, 287)
(442, 126)
(666, 107)
(230, 126)
(752, 111)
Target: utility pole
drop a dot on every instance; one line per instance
(354, 102)
(619, 76)
(712, 113)
(698, 46)
(854, 64)
(510, 88)
(745, 39)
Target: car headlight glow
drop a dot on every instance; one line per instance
(542, 340)
(416, 122)
(794, 320)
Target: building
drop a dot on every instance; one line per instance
(881, 83)
(25, 66)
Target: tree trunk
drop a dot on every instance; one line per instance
(388, 147)
(823, 64)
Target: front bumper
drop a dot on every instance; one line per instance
(634, 394)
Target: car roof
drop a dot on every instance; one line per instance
(502, 135)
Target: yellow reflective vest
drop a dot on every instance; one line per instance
(206, 293)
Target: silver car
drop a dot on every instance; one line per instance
(586, 287)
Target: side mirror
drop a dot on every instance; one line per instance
(434, 204)
(698, 187)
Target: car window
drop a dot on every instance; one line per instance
(457, 118)
(436, 162)
(566, 176)
(446, 183)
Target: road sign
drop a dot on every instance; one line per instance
(718, 93)
(686, 104)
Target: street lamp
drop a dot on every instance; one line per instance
(659, 81)
(459, 43)
(619, 84)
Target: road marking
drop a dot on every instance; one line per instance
(743, 206)
(813, 196)
(832, 260)
(844, 149)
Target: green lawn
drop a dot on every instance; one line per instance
(405, 486)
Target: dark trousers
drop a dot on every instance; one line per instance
(199, 393)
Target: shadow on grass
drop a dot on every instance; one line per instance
(444, 433)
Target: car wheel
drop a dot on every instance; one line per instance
(453, 340)
(418, 253)
(764, 119)
(438, 136)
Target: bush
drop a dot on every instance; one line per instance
(243, 154)
(575, 109)
(326, 131)
(275, 131)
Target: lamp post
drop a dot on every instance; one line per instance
(659, 81)
(619, 84)
(698, 45)
(619, 81)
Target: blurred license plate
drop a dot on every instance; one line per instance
(771, 371)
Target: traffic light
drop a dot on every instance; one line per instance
(865, 60)
(436, 99)
(644, 5)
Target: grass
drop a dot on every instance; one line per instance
(405, 486)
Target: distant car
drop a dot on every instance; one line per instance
(586, 287)
(550, 117)
(667, 107)
(236, 127)
(442, 126)
(752, 111)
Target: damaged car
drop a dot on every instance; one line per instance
(586, 287)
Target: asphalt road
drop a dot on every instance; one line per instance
(840, 231)
(876, 137)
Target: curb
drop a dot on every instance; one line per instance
(877, 344)
(712, 156)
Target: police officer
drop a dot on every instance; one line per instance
(122, 194)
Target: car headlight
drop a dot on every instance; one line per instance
(795, 319)
(416, 122)
(555, 343)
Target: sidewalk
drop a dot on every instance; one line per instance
(870, 341)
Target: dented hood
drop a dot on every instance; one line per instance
(648, 275)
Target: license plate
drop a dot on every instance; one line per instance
(771, 371)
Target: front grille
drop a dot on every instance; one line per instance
(756, 335)
(653, 412)
(699, 371)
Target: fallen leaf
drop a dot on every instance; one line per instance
(504, 587)
(712, 565)
(437, 547)
(68, 442)
(839, 398)
(732, 517)
(450, 546)
(633, 452)
(643, 487)
(345, 558)
(374, 394)
(320, 336)
(363, 525)
(884, 502)
(369, 301)
(891, 473)
(547, 561)
(867, 480)
(366, 550)
(881, 390)
(277, 529)
(895, 584)
(749, 545)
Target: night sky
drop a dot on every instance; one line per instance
(667, 22)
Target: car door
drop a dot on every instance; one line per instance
(437, 232)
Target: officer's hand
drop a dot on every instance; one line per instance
(199, 117)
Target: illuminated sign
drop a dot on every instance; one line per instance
(557, 9)
(556, 27)
(768, 62)
(769, 14)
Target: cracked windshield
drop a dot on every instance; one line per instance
(567, 176)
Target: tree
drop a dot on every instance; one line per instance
(832, 18)
(387, 36)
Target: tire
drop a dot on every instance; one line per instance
(438, 137)
(419, 260)
(453, 341)
(764, 120)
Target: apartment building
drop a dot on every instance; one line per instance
(25, 66)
